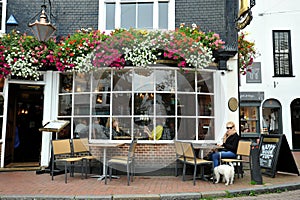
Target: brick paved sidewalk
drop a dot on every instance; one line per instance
(27, 183)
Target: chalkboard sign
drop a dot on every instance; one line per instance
(274, 153)
(267, 154)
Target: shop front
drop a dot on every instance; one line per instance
(250, 114)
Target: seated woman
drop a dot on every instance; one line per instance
(230, 144)
(116, 131)
(158, 130)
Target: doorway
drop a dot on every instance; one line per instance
(24, 118)
(295, 117)
(272, 117)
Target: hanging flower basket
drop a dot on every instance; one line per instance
(246, 53)
(25, 57)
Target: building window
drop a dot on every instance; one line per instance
(137, 15)
(2, 15)
(282, 53)
(148, 14)
(150, 104)
(249, 114)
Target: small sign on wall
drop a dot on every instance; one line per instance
(254, 76)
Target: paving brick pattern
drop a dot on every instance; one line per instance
(27, 183)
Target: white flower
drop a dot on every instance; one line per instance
(194, 26)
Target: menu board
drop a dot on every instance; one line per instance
(54, 126)
(268, 152)
(274, 153)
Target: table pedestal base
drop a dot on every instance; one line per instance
(102, 177)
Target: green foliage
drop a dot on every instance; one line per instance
(246, 53)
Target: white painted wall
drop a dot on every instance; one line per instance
(226, 87)
(50, 113)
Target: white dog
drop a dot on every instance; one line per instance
(227, 171)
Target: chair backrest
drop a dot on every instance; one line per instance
(188, 149)
(244, 148)
(131, 150)
(178, 148)
(61, 147)
(80, 145)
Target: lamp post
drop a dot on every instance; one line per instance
(42, 29)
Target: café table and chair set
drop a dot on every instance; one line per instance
(75, 152)
(78, 152)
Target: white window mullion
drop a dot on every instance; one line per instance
(197, 104)
(171, 13)
(118, 14)
(136, 15)
(91, 117)
(155, 15)
(176, 106)
(101, 14)
(111, 93)
(73, 104)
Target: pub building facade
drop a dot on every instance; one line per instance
(191, 105)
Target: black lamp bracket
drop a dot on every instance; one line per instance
(44, 8)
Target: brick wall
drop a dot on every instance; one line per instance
(215, 15)
(208, 14)
(69, 15)
(154, 156)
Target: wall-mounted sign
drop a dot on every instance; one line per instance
(245, 14)
(12, 20)
(233, 104)
(254, 74)
(251, 96)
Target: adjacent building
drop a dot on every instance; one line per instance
(269, 93)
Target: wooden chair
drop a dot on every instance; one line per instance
(61, 152)
(243, 151)
(81, 150)
(190, 158)
(179, 155)
(127, 161)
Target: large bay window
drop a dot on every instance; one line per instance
(151, 104)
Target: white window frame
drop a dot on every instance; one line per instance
(102, 13)
(3, 21)
(197, 116)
